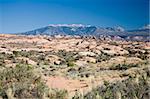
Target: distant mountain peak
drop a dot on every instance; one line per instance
(146, 27)
(116, 29)
(68, 25)
(119, 28)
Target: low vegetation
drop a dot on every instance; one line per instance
(123, 66)
(136, 87)
(24, 82)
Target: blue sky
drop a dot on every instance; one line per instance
(25, 15)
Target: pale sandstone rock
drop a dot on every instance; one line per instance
(81, 63)
(54, 59)
(27, 60)
(112, 50)
(99, 48)
(90, 59)
(83, 44)
(97, 51)
(133, 60)
(87, 54)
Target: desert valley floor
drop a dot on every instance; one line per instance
(78, 65)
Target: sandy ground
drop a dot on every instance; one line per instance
(73, 86)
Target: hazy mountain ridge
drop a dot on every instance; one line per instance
(89, 30)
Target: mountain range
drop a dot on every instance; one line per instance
(89, 30)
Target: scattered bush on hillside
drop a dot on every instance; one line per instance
(103, 57)
(57, 94)
(123, 66)
(132, 88)
(70, 64)
(25, 82)
(68, 57)
(21, 82)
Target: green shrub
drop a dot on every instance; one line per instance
(21, 82)
(67, 56)
(123, 66)
(132, 88)
(58, 94)
(70, 64)
(16, 53)
(103, 57)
